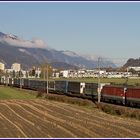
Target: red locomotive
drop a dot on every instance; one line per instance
(133, 96)
(116, 94)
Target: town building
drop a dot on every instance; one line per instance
(16, 67)
(135, 68)
(2, 66)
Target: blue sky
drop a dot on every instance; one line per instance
(108, 29)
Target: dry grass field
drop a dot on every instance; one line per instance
(38, 118)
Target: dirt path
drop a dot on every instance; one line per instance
(44, 118)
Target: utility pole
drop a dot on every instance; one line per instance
(44, 73)
(44, 76)
(99, 87)
(47, 79)
(20, 79)
(6, 79)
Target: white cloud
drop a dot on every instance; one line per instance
(35, 43)
(38, 42)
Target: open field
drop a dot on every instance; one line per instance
(44, 118)
(13, 93)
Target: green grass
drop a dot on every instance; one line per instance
(12, 93)
(105, 80)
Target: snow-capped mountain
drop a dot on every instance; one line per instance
(36, 52)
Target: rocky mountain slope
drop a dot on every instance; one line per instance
(35, 52)
(132, 62)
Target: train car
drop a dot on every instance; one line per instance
(51, 86)
(11, 82)
(37, 85)
(26, 83)
(7, 81)
(18, 82)
(2, 80)
(91, 89)
(133, 96)
(61, 86)
(76, 87)
(114, 94)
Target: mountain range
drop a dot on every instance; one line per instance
(35, 52)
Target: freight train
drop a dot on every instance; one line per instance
(129, 96)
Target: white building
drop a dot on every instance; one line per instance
(135, 68)
(8, 70)
(16, 67)
(64, 73)
(24, 74)
(2, 66)
(37, 73)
